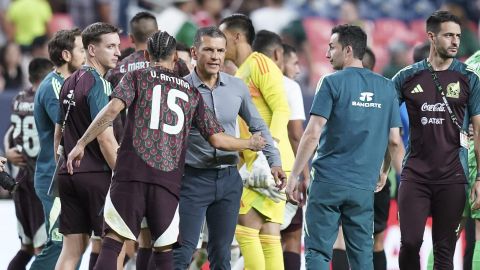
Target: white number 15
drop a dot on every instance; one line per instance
(172, 97)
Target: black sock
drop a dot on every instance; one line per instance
(339, 260)
(163, 260)
(107, 260)
(291, 260)
(126, 259)
(143, 257)
(93, 260)
(379, 260)
(151, 262)
(20, 260)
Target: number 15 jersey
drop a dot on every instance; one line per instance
(161, 109)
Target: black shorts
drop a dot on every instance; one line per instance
(82, 196)
(381, 207)
(128, 203)
(296, 223)
(29, 212)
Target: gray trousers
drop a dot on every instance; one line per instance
(214, 194)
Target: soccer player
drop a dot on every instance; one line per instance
(83, 194)
(353, 117)
(292, 233)
(142, 26)
(67, 54)
(270, 44)
(23, 151)
(442, 96)
(146, 182)
(211, 185)
(474, 62)
(258, 229)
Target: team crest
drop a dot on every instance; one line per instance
(453, 90)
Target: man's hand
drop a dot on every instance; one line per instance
(15, 157)
(2, 163)
(297, 190)
(382, 179)
(257, 142)
(279, 176)
(76, 156)
(475, 195)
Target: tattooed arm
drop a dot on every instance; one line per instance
(101, 127)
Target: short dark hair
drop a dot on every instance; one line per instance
(39, 42)
(369, 53)
(125, 53)
(265, 42)
(62, 40)
(182, 47)
(92, 34)
(161, 45)
(240, 22)
(288, 49)
(38, 69)
(181, 68)
(421, 51)
(438, 17)
(142, 26)
(210, 31)
(352, 35)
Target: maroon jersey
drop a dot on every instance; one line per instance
(162, 108)
(434, 153)
(24, 135)
(91, 94)
(134, 61)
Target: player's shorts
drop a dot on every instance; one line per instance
(272, 211)
(128, 203)
(472, 175)
(381, 207)
(29, 212)
(83, 196)
(296, 222)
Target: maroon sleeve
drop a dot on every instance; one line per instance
(205, 120)
(126, 89)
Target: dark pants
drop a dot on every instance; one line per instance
(415, 202)
(328, 205)
(214, 194)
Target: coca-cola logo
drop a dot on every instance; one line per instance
(437, 107)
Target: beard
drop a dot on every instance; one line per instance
(444, 54)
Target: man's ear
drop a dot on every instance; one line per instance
(276, 54)
(130, 37)
(175, 56)
(193, 53)
(91, 50)
(237, 37)
(147, 55)
(66, 55)
(430, 36)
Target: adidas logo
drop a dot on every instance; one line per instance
(417, 89)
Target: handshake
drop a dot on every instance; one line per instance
(261, 180)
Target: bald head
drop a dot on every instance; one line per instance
(142, 26)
